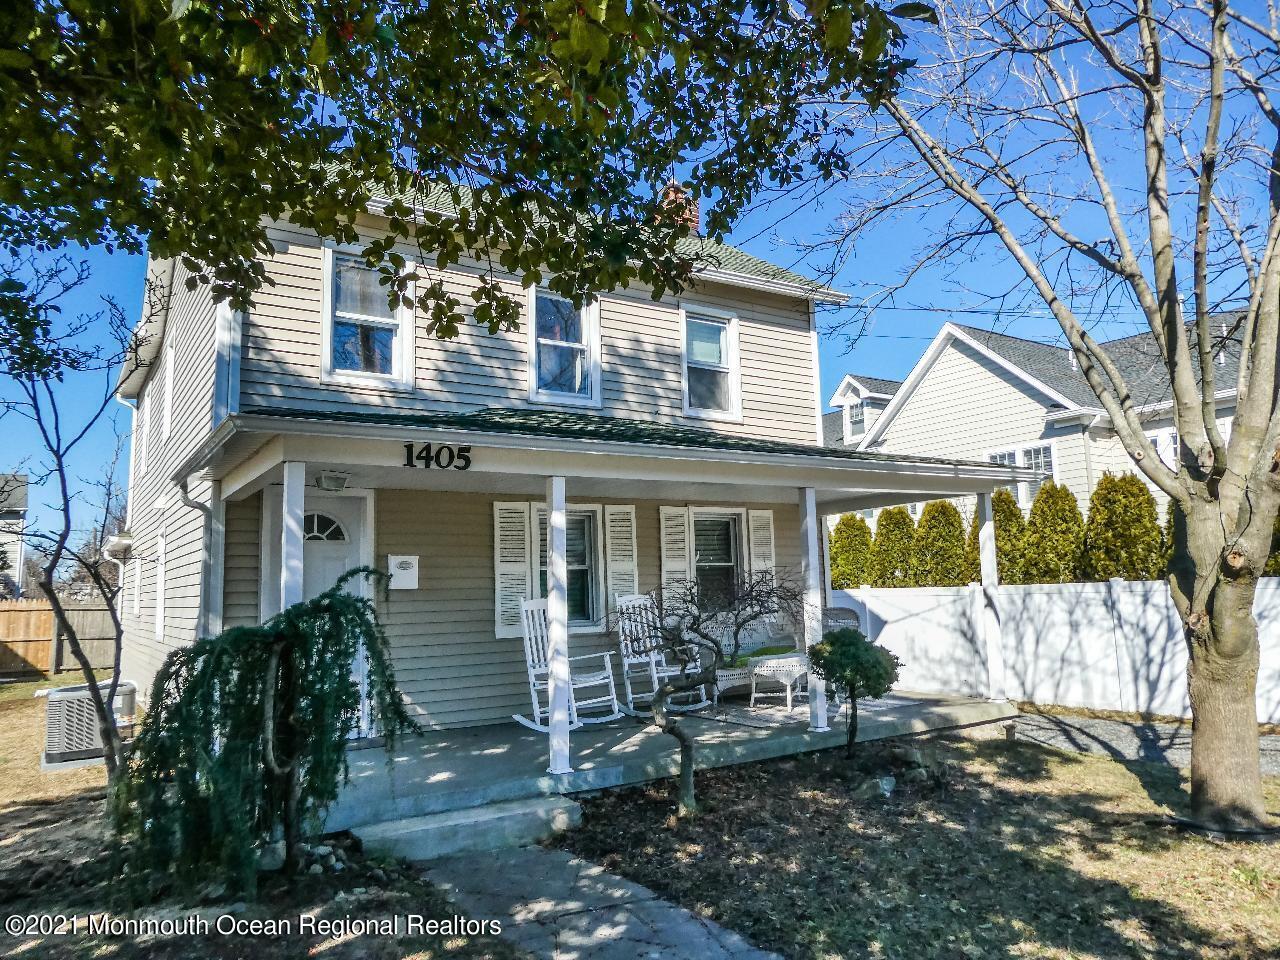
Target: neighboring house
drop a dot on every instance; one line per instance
(980, 395)
(276, 448)
(13, 524)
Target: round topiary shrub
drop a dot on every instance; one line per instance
(890, 561)
(1054, 538)
(850, 552)
(938, 551)
(1010, 528)
(856, 668)
(1122, 537)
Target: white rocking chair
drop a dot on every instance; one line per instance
(533, 619)
(639, 647)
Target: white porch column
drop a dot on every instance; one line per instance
(814, 596)
(557, 627)
(291, 512)
(990, 624)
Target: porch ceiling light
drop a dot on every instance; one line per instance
(332, 482)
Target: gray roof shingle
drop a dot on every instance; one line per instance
(1137, 356)
(878, 384)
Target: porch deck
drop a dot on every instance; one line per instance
(458, 769)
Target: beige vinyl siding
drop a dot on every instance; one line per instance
(641, 353)
(242, 562)
(154, 502)
(449, 664)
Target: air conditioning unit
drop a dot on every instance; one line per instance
(71, 735)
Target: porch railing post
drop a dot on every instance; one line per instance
(992, 640)
(557, 628)
(291, 513)
(811, 570)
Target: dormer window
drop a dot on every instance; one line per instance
(564, 351)
(366, 341)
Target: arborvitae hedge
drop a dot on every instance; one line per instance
(890, 562)
(1010, 528)
(938, 552)
(850, 552)
(1122, 537)
(1055, 535)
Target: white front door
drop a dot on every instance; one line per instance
(332, 532)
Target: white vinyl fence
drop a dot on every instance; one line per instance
(1111, 646)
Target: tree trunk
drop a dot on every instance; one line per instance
(1226, 783)
(851, 735)
(686, 801)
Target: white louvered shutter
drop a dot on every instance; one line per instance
(677, 544)
(760, 541)
(512, 572)
(622, 574)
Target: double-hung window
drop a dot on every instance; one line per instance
(1039, 458)
(581, 553)
(365, 339)
(717, 546)
(711, 365)
(564, 351)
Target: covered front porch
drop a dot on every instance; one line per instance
(459, 770)
(477, 507)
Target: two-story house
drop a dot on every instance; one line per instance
(275, 448)
(979, 395)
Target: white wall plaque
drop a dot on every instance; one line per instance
(404, 572)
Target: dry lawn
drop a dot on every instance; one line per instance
(1020, 851)
(53, 860)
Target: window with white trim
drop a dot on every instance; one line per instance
(366, 339)
(169, 372)
(717, 556)
(581, 556)
(564, 350)
(140, 433)
(1038, 457)
(710, 365)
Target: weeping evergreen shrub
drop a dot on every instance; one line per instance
(1054, 537)
(850, 551)
(1010, 528)
(1122, 537)
(890, 562)
(245, 739)
(938, 551)
(1272, 569)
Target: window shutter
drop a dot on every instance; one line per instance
(621, 572)
(512, 576)
(676, 544)
(760, 541)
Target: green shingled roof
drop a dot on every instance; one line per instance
(565, 425)
(719, 256)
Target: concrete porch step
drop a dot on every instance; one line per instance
(513, 823)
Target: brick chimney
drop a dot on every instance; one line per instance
(680, 207)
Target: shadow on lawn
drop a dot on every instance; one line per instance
(786, 857)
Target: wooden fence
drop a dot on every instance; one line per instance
(30, 643)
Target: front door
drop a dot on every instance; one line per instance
(332, 529)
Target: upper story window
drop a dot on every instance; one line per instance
(1038, 457)
(711, 365)
(364, 339)
(564, 351)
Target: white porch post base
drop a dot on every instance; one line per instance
(293, 496)
(814, 595)
(989, 624)
(557, 628)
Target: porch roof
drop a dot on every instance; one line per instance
(572, 442)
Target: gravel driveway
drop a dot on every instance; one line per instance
(1155, 742)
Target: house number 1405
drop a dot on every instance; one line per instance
(440, 455)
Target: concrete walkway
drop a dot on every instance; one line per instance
(561, 908)
(1121, 740)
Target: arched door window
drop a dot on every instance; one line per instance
(322, 527)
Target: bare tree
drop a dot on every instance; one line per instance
(1029, 129)
(84, 355)
(701, 634)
